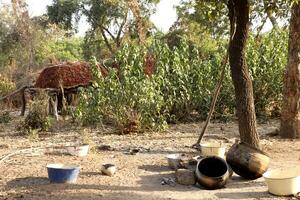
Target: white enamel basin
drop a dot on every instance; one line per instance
(283, 181)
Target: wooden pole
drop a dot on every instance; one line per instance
(23, 99)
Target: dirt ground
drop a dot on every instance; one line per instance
(24, 175)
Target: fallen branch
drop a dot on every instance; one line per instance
(13, 93)
(61, 148)
(18, 152)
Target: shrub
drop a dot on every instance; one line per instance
(131, 103)
(182, 84)
(5, 117)
(267, 59)
(62, 49)
(37, 117)
(6, 86)
(133, 100)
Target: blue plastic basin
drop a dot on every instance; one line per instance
(60, 173)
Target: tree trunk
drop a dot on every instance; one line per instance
(23, 99)
(239, 18)
(135, 9)
(290, 114)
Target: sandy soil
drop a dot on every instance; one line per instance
(24, 176)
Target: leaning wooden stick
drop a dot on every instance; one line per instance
(217, 90)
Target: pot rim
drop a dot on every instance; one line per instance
(108, 165)
(63, 166)
(221, 159)
(254, 148)
(212, 145)
(282, 170)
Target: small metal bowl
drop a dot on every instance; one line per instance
(108, 169)
(174, 161)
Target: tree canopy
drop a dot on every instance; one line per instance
(112, 19)
(212, 15)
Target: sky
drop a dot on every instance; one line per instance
(163, 19)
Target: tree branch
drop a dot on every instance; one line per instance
(120, 30)
(135, 8)
(106, 29)
(106, 41)
(269, 12)
(96, 24)
(259, 29)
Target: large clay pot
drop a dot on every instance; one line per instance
(212, 172)
(247, 161)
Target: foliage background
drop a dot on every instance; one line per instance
(183, 83)
(186, 68)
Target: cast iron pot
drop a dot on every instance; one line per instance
(212, 172)
(247, 161)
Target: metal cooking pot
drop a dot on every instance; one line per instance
(247, 161)
(212, 172)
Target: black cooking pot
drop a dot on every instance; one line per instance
(212, 172)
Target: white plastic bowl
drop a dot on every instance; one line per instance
(283, 182)
(80, 151)
(213, 149)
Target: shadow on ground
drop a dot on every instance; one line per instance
(243, 195)
(40, 188)
(81, 195)
(27, 182)
(238, 182)
(155, 168)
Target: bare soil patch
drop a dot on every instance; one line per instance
(24, 176)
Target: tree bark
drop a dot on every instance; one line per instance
(290, 114)
(23, 99)
(135, 9)
(239, 17)
(106, 41)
